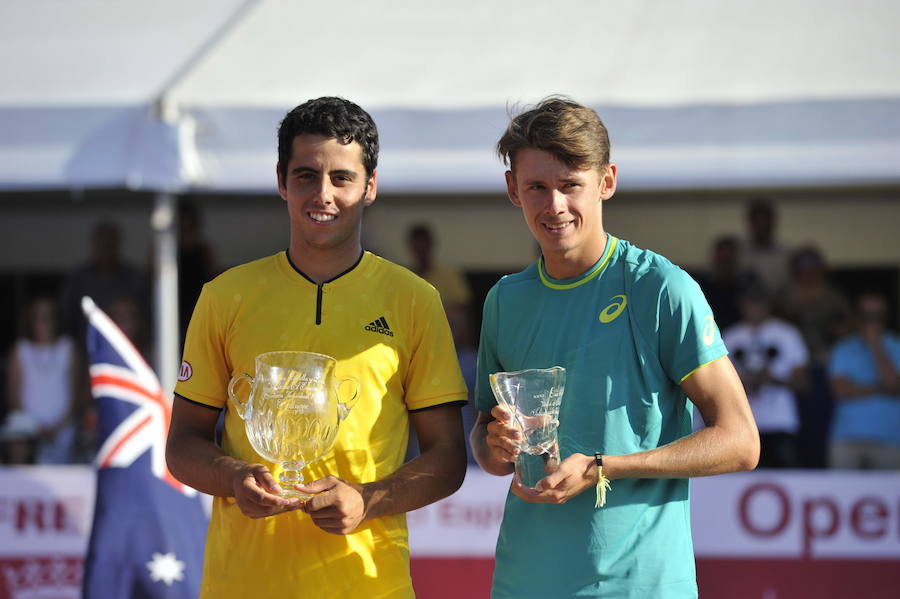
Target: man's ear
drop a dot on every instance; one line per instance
(608, 181)
(371, 189)
(282, 188)
(511, 190)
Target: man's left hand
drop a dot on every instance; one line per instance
(575, 474)
(337, 506)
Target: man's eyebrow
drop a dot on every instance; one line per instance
(344, 171)
(304, 169)
(308, 169)
(572, 179)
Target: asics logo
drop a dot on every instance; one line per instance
(612, 311)
(709, 330)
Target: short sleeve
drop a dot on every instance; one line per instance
(433, 376)
(488, 362)
(204, 373)
(688, 335)
(841, 362)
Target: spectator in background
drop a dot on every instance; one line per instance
(865, 375)
(196, 262)
(456, 296)
(771, 359)
(726, 281)
(105, 278)
(819, 310)
(44, 383)
(822, 314)
(449, 281)
(761, 253)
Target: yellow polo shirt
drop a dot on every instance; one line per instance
(387, 329)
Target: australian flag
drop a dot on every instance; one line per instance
(149, 529)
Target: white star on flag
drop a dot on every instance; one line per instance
(165, 568)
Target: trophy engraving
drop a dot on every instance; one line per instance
(293, 412)
(533, 398)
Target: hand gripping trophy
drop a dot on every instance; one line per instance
(293, 411)
(533, 398)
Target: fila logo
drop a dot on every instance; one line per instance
(612, 311)
(380, 325)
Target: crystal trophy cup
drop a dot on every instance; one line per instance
(293, 411)
(533, 397)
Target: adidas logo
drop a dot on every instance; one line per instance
(380, 326)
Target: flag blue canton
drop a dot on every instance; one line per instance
(149, 529)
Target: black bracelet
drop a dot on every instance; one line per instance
(598, 459)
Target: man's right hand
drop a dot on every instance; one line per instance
(502, 437)
(258, 495)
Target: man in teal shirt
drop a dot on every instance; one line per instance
(639, 344)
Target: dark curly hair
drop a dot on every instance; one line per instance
(331, 117)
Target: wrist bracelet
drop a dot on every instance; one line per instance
(602, 482)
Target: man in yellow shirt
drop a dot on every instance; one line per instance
(385, 327)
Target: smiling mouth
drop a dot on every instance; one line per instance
(556, 227)
(322, 217)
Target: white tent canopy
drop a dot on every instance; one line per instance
(177, 96)
(181, 96)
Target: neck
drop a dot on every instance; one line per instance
(322, 265)
(570, 264)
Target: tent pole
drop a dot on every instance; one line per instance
(166, 292)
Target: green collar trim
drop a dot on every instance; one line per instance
(593, 273)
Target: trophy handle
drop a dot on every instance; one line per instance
(345, 407)
(239, 406)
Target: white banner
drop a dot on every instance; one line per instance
(818, 514)
(47, 510)
(810, 514)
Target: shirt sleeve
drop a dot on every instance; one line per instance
(795, 353)
(488, 362)
(688, 335)
(433, 376)
(205, 372)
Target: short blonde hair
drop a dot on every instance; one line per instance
(571, 132)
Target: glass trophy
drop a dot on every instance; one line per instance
(293, 411)
(533, 398)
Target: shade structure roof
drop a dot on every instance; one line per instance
(182, 96)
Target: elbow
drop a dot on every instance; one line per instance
(454, 475)
(748, 451)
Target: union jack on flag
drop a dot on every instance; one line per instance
(149, 529)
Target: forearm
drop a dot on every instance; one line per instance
(14, 383)
(887, 374)
(707, 452)
(483, 455)
(848, 390)
(728, 443)
(198, 463)
(436, 473)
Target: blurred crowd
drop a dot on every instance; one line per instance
(821, 370)
(820, 365)
(47, 411)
